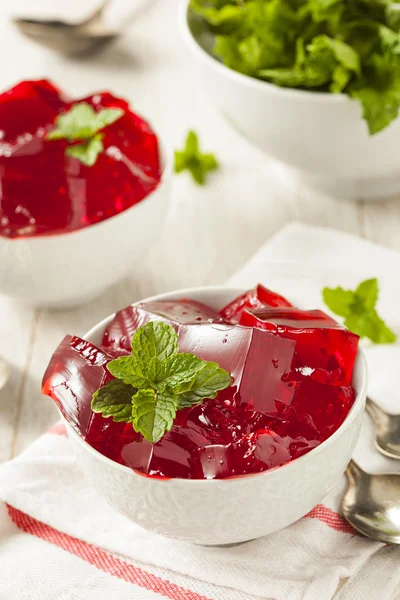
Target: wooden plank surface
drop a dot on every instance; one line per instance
(210, 231)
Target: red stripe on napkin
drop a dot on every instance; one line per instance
(100, 559)
(330, 518)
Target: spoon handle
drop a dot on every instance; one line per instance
(97, 13)
(353, 471)
(378, 416)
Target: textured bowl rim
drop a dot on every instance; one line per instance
(165, 155)
(186, 292)
(252, 82)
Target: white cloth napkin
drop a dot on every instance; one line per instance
(58, 539)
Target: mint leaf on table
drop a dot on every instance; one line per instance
(193, 160)
(83, 123)
(358, 307)
(331, 46)
(155, 381)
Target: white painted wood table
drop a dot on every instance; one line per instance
(210, 231)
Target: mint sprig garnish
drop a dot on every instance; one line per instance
(358, 308)
(155, 381)
(193, 160)
(82, 123)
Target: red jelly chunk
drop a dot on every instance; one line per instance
(256, 298)
(325, 350)
(76, 370)
(291, 388)
(43, 191)
(122, 328)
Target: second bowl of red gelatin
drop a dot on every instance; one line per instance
(68, 230)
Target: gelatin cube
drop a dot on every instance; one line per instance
(256, 298)
(27, 107)
(325, 405)
(109, 438)
(138, 454)
(263, 380)
(215, 461)
(125, 323)
(172, 456)
(258, 451)
(290, 317)
(76, 370)
(323, 347)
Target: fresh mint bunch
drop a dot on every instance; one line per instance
(155, 381)
(358, 307)
(191, 159)
(334, 46)
(82, 123)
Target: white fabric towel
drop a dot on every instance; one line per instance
(58, 539)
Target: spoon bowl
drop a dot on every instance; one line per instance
(387, 430)
(372, 504)
(69, 38)
(66, 38)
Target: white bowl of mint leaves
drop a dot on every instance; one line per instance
(315, 84)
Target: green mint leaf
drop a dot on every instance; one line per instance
(114, 400)
(181, 369)
(129, 370)
(207, 383)
(345, 55)
(338, 300)
(155, 339)
(371, 326)
(358, 308)
(193, 160)
(153, 414)
(191, 145)
(76, 124)
(377, 330)
(87, 152)
(156, 371)
(349, 46)
(368, 292)
(82, 122)
(155, 380)
(340, 78)
(107, 116)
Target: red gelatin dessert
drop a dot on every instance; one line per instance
(291, 386)
(42, 190)
(259, 297)
(323, 347)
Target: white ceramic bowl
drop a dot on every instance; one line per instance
(73, 268)
(232, 510)
(322, 136)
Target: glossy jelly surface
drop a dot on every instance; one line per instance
(43, 191)
(291, 387)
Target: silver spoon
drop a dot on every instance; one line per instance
(372, 504)
(387, 430)
(5, 372)
(70, 38)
